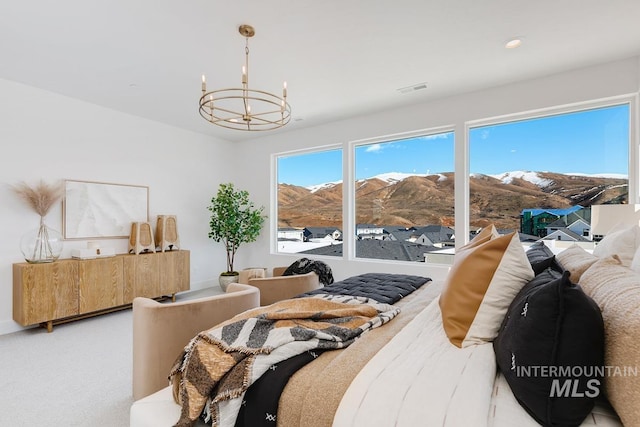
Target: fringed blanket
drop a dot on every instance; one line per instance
(219, 364)
(306, 265)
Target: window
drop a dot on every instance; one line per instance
(309, 204)
(404, 197)
(542, 174)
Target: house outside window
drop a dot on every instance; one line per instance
(529, 174)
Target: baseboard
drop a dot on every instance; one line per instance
(9, 326)
(204, 284)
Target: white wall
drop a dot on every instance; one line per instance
(51, 137)
(597, 82)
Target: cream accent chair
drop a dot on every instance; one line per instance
(160, 331)
(279, 287)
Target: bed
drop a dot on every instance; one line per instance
(404, 373)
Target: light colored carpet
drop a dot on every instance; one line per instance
(78, 375)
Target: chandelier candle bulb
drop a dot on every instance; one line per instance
(204, 84)
(284, 90)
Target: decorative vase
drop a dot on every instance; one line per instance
(226, 278)
(42, 244)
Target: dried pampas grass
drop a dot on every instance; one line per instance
(40, 197)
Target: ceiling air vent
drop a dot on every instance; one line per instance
(413, 88)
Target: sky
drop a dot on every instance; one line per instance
(587, 142)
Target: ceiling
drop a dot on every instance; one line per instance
(340, 58)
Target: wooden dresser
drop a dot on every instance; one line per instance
(70, 289)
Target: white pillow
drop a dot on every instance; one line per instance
(622, 241)
(576, 260)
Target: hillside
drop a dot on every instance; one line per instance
(418, 199)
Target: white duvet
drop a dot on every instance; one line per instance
(420, 379)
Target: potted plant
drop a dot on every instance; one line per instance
(234, 220)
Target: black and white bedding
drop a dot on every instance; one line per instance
(260, 404)
(383, 287)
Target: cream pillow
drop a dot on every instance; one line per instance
(622, 240)
(576, 260)
(616, 290)
(486, 275)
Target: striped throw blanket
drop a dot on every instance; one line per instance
(218, 365)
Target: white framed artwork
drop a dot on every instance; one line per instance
(93, 210)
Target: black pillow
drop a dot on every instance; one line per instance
(541, 257)
(306, 265)
(550, 349)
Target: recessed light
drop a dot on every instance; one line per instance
(513, 43)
